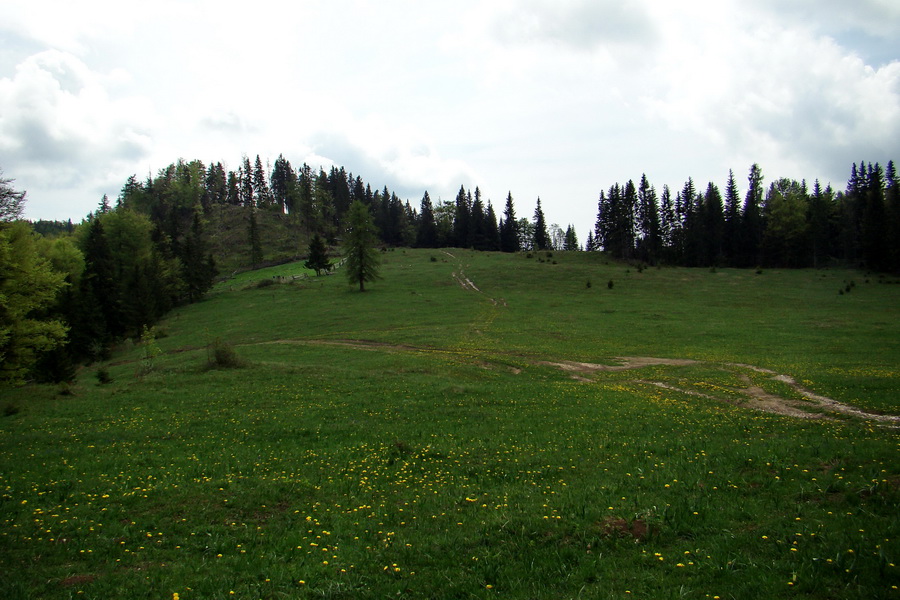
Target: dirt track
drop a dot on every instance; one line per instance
(752, 396)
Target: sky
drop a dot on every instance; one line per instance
(557, 99)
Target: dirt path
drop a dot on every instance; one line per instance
(466, 283)
(751, 396)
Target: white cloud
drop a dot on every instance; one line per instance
(551, 99)
(60, 126)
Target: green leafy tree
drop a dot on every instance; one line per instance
(12, 202)
(785, 240)
(363, 262)
(317, 259)
(28, 288)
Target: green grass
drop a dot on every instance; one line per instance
(413, 442)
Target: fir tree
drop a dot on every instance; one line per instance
(426, 236)
(362, 260)
(541, 238)
(509, 235)
(256, 254)
(317, 258)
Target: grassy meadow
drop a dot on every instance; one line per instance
(453, 433)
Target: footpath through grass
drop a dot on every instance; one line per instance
(414, 442)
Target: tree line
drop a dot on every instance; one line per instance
(68, 296)
(783, 225)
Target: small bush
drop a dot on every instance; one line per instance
(529, 255)
(103, 376)
(433, 258)
(264, 283)
(610, 284)
(222, 355)
(10, 410)
(588, 284)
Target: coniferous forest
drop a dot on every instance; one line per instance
(71, 291)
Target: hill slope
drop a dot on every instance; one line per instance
(474, 424)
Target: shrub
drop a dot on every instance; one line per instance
(222, 355)
(150, 352)
(610, 284)
(10, 410)
(103, 376)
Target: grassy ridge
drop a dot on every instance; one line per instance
(412, 441)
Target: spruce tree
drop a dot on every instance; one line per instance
(362, 260)
(732, 219)
(317, 258)
(541, 236)
(752, 225)
(509, 235)
(426, 235)
(571, 240)
(256, 254)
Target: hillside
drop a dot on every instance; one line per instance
(538, 425)
(282, 239)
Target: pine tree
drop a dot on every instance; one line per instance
(732, 219)
(283, 183)
(541, 236)
(101, 315)
(426, 236)
(667, 223)
(492, 230)
(713, 217)
(261, 192)
(752, 225)
(892, 210)
(462, 225)
(256, 254)
(509, 235)
(246, 184)
(362, 260)
(317, 258)
(648, 218)
(873, 230)
(199, 268)
(478, 223)
(571, 240)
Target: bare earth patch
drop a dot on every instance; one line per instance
(750, 396)
(753, 396)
